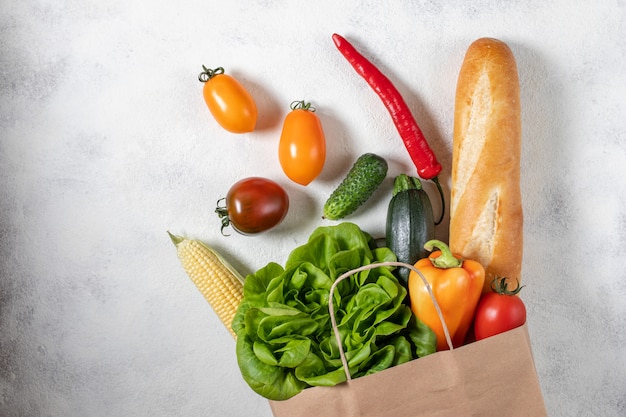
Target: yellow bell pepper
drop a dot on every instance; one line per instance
(456, 284)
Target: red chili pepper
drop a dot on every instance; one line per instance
(420, 152)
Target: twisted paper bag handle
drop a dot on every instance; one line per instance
(331, 307)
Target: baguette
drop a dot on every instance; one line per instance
(486, 219)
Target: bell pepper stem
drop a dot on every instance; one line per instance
(446, 259)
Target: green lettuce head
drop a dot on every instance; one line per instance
(285, 341)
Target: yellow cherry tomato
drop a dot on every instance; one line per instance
(302, 147)
(230, 103)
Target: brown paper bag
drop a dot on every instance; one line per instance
(494, 377)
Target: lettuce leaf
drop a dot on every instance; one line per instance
(285, 341)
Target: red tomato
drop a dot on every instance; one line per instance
(498, 312)
(253, 205)
(230, 103)
(302, 146)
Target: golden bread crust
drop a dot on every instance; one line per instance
(486, 219)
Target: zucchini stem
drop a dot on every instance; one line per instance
(403, 183)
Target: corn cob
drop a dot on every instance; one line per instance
(220, 284)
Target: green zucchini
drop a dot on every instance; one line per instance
(410, 223)
(365, 176)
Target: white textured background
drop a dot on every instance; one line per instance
(106, 143)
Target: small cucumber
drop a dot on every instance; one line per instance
(365, 176)
(410, 223)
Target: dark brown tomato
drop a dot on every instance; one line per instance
(253, 205)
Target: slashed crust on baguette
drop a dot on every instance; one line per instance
(486, 219)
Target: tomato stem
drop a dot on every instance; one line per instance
(208, 73)
(499, 285)
(301, 105)
(222, 213)
(446, 259)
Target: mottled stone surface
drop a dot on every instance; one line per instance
(106, 143)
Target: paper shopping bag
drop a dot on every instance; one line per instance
(494, 377)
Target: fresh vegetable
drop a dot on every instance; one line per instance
(410, 223)
(285, 341)
(230, 103)
(457, 285)
(499, 311)
(428, 167)
(365, 176)
(219, 283)
(253, 205)
(420, 152)
(302, 146)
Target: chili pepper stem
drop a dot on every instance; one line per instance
(446, 259)
(443, 200)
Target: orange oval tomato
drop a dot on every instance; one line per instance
(232, 106)
(302, 147)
